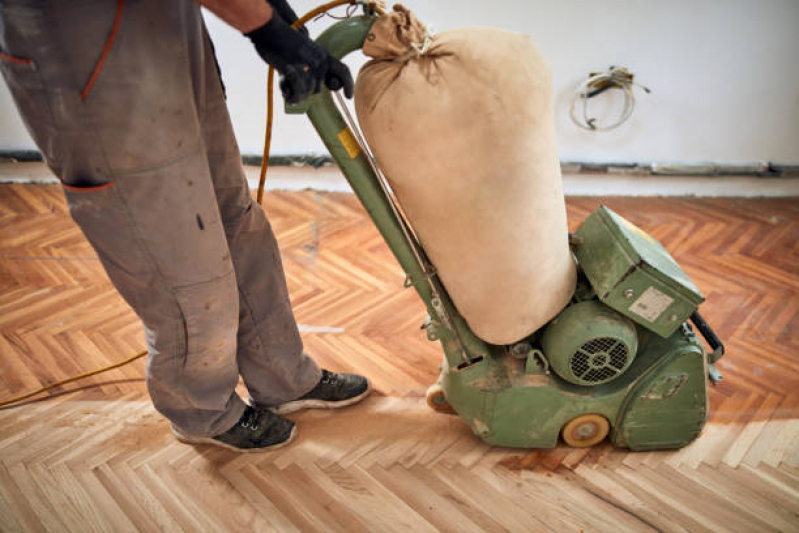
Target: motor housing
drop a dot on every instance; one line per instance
(589, 343)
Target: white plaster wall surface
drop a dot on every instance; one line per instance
(724, 76)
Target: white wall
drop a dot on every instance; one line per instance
(724, 75)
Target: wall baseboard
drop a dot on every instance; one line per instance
(328, 178)
(759, 169)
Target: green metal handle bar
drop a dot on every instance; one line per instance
(461, 346)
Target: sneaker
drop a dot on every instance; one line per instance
(333, 391)
(258, 430)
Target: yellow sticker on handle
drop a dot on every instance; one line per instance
(347, 140)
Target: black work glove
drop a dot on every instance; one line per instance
(303, 65)
(286, 13)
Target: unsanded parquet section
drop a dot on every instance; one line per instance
(101, 459)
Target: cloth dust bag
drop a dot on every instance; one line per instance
(462, 125)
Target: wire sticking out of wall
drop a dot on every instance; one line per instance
(597, 83)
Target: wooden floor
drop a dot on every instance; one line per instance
(95, 456)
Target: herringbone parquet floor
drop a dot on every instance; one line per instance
(101, 459)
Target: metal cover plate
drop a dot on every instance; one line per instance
(632, 273)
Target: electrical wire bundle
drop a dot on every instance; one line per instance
(596, 84)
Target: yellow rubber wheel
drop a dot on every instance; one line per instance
(585, 431)
(437, 401)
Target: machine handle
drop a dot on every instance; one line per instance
(460, 343)
(710, 336)
(715, 344)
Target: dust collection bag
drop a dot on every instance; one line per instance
(462, 125)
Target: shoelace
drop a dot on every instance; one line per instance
(329, 378)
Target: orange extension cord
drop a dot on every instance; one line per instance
(264, 164)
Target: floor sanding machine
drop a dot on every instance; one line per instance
(622, 359)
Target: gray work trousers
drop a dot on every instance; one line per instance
(153, 177)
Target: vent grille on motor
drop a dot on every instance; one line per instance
(599, 360)
(590, 344)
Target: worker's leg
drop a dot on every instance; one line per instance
(134, 164)
(270, 352)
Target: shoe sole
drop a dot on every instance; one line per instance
(208, 440)
(299, 405)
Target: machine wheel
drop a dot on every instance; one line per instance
(437, 401)
(585, 431)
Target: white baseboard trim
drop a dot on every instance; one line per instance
(330, 179)
(574, 184)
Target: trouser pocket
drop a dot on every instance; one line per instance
(12, 61)
(102, 215)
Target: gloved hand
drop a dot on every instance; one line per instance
(286, 13)
(303, 65)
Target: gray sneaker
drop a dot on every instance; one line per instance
(258, 430)
(333, 391)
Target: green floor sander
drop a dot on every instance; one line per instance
(620, 360)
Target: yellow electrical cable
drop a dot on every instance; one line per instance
(264, 165)
(270, 113)
(270, 91)
(70, 380)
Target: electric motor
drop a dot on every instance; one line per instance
(589, 343)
